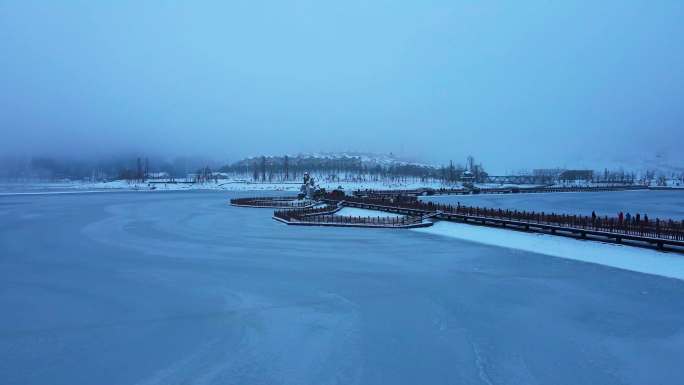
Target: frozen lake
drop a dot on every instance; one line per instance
(663, 204)
(181, 288)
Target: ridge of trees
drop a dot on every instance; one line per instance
(269, 168)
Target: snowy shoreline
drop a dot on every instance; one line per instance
(624, 257)
(221, 185)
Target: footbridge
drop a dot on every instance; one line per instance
(661, 234)
(492, 190)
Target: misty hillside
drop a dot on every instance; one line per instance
(329, 166)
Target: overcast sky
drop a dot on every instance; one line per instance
(516, 83)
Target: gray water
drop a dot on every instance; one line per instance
(662, 204)
(181, 288)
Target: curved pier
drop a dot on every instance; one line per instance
(491, 190)
(325, 216)
(659, 233)
(663, 234)
(273, 202)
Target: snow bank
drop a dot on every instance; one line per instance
(226, 185)
(222, 185)
(53, 192)
(619, 256)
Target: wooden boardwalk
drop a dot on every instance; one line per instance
(492, 190)
(654, 233)
(273, 203)
(369, 222)
(325, 216)
(466, 215)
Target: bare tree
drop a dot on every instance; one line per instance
(263, 168)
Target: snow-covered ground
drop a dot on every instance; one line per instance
(240, 185)
(671, 183)
(221, 185)
(623, 257)
(356, 212)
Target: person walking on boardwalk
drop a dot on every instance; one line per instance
(621, 217)
(593, 216)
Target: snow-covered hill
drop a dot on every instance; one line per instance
(341, 158)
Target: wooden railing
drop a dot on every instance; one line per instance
(272, 202)
(638, 226)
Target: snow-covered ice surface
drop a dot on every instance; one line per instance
(356, 212)
(182, 288)
(620, 256)
(657, 203)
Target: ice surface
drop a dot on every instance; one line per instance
(356, 212)
(182, 288)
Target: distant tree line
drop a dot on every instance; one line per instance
(286, 168)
